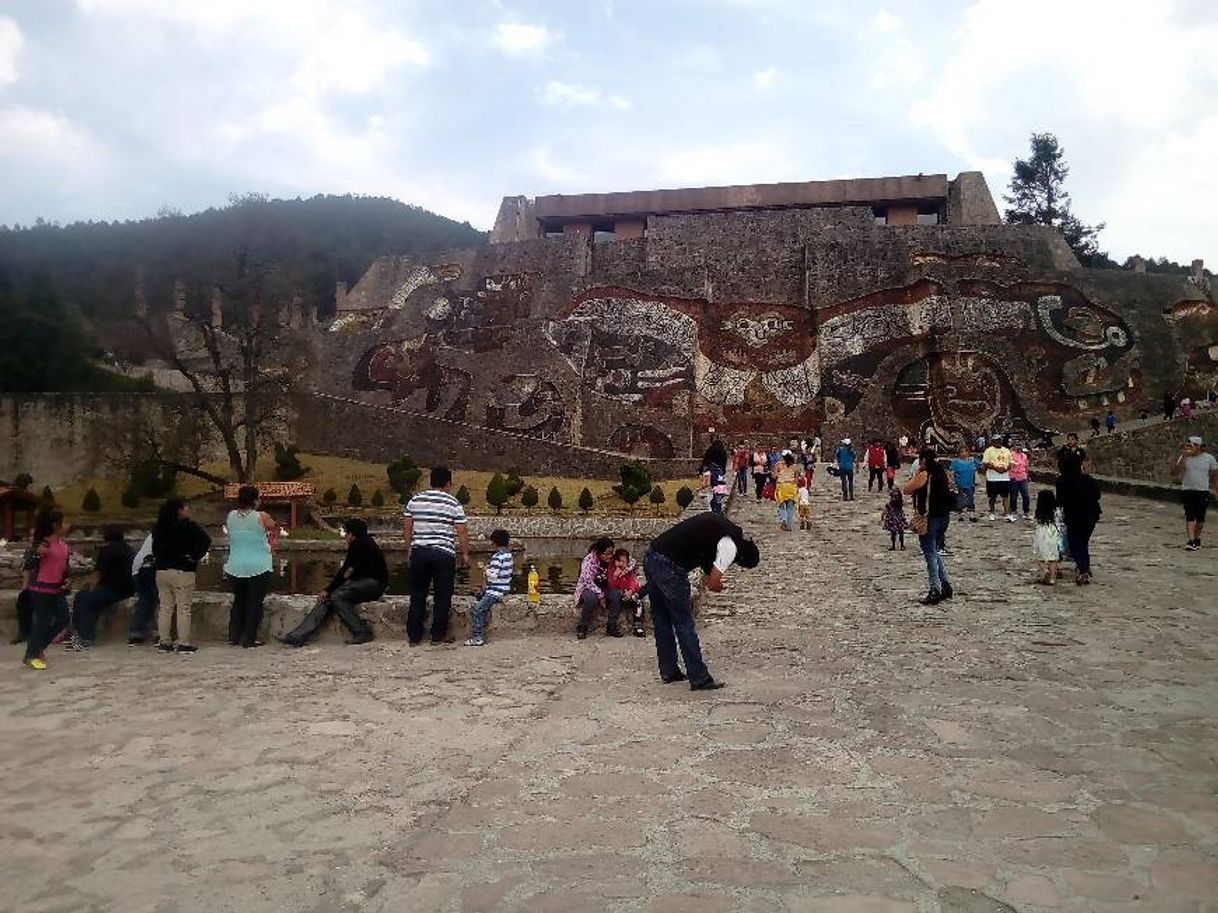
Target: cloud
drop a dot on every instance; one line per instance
(620, 102)
(11, 42)
(542, 162)
(764, 79)
(357, 56)
(742, 162)
(893, 58)
(519, 39)
(1121, 77)
(568, 94)
(46, 142)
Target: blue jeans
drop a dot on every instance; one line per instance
(1021, 491)
(477, 621)
(716, 503)
(143, 616)
(672, 618)
(847, 478)
(786, 513)
(87, 606)
(1078, 537)
(966, 499)
(936, 567)
(742, 480)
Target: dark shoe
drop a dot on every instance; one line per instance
(165, 647)
(415, 643)
(709, 685)
(134, 641)
(639, 632)
(19, 639)
(581, 632)
(252, 644)
(613, 631)
(947, 591)
(289, 642)
(679, 677)
(361, 639)
(186, 648)
(934, 597)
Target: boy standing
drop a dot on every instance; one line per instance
(964, 471)
(498, 579)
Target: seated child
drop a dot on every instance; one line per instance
(498, 580)
(624, 577)
(892, 519)
(803, 505)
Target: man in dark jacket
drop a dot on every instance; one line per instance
(112, 584)
(362, 578)
(707, 541)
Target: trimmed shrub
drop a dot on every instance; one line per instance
(130, 497)
(585, 500)
(329, 497)
(554, 499)
(287, 463)
(513, 482)
(529, 497)
(685, 497)
(23, 481)
(91, 503)
(48, 496)
(355, 497)
(378, 499)
(403, 475)
(636, 482)
(657, 495)
(496, 493)
(463, 495)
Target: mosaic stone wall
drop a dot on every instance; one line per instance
(768, 324)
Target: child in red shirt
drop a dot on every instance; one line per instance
(624, 577)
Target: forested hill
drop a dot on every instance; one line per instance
(310, 244)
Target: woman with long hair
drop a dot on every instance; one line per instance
(248, 565)
(48, 587)
(933, 501)
(178, 544)
(592, 589)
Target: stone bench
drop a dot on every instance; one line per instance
(209, 618)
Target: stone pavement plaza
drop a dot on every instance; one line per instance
(1019, 748)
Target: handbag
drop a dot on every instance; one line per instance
(918, 524)
(768, 491)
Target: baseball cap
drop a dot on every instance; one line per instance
(845, 440)
(1196, 440)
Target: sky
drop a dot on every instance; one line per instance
(116, 109)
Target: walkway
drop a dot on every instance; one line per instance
(1018, 748)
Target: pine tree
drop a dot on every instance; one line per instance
(685, 497)
(463, 495)
(1038, 197)
(555, 499)
(91, 503)
(355, 497)
(529, 498)
(585, 500)
(378, 499)
(130, 497)
(657, 495)
(329, 497)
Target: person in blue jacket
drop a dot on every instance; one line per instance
(845, 464)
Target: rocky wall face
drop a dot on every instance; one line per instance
(772, 324)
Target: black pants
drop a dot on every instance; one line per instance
(1078, 538)
(875, 476)
(847, 477)
(436, 569)
(24, 609)
(341, 602)
(759, 483)
(48, 616)
(245, 617)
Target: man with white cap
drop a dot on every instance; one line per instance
(1198, 475)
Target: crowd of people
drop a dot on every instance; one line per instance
(161, 574)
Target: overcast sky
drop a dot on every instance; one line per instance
(116, 108)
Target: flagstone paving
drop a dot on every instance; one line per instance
(1018, 748)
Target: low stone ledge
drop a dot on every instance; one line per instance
(1138, 488)
(209, 617)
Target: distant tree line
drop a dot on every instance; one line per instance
(55, 280)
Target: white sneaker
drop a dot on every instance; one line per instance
(1011, 518)
(991, 517)
(475, 642)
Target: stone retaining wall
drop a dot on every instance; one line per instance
(1146, 453)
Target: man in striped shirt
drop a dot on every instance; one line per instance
(434, 524)
(498, 580)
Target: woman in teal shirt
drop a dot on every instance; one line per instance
(248, 566)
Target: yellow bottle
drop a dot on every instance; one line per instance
(534, 582)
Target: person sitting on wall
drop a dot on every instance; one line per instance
(363, 577)
(112, 583)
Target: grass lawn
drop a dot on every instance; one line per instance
(340, 473)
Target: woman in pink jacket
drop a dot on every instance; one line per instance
(1019, 480)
